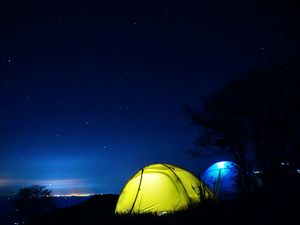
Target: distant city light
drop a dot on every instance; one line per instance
(74, 195)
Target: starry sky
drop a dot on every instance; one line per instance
(92, 91)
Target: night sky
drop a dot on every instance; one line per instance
(91, 92)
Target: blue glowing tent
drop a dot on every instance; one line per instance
(221, 177)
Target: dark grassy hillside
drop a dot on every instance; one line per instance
(5, 210)
(275, 205)
(95, 210)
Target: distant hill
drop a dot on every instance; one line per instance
(63, 202)
(106, 202)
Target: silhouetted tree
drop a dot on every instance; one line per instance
(32, 201)
(256, 115)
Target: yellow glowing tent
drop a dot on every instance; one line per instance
(160, 188)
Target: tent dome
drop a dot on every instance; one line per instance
(160, 188)
(221, 177)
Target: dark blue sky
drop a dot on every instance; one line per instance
(91, 92)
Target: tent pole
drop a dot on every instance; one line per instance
(137, 191)
(217, 188)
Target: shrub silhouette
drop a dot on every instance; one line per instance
(31, 202)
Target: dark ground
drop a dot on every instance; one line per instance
(276, 205)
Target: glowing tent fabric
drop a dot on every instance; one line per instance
(160, 188)
(221, 177)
